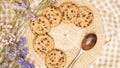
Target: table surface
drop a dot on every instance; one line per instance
(109, 10)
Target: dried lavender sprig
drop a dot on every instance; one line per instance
(19, 50)
(23, 26)
(24, 22)
(43, 4)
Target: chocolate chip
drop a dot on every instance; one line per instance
(39, 43)
(33, 24)
(48, 14)
(63, 13)
(66, 14)
(51, 22)
(46, 33)
(57, 14)
(87, 24)
(52, 7)
(48, 41)
(73, 4)
(76, 24)
(68, 6)
(52, 60)
(38, 27)
(45, 38)
(83, 15)
(72, 11)
(84, 26)
(42, 21)
(90, 13)
(51, 10)
(38, 48)
(79, 25)
(52, 15)
(68, 18)
(45, 27)
(86, 21)
(54, 18)
(51, 54)
(54, 53)
(47, 44)
(42, 29)
(43, 49)
(90, 21)
(61, 52)
(35, 33)
(39, 20)
(42, 41)
(55, 8)
(57, 64)
(63, 18)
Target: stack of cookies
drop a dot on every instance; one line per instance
(52, 16)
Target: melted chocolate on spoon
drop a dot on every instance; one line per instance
(87, 43)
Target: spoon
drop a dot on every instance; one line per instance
(87, 43)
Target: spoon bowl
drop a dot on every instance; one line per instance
(87, 43)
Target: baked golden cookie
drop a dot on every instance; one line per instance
(69, 12)
(85, 17)
(42, 26)
(53, 14)
(55, 59)
(42, 44)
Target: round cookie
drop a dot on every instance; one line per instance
(85, 17)
(69, 12)
(42, 26)
(55, 59)
(53, 14)
(42, 44)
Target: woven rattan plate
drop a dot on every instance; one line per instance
(67, 37)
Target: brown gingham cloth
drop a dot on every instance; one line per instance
(110, 13)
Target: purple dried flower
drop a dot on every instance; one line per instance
(24, 64)
(24, 8)
(22, 43)
(7, 50)
(18, 7)
(28, 65)
(20, 61)
(16, 47)
(11, 56)
(30, 14)
(24, 51)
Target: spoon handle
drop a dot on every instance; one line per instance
(74, 60)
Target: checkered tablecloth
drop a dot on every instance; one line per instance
(110, 13)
